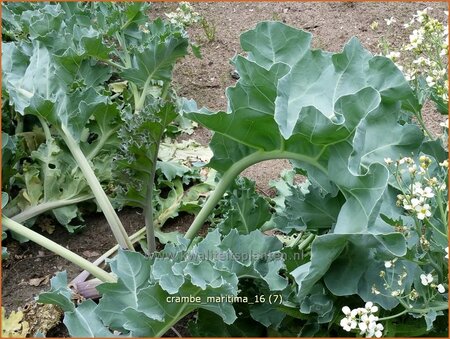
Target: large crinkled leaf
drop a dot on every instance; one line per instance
(401, 141)
(320, 302)
(362, 192)
(50, 180)
(245, 211)
(327, 248)
(26, 76)
(134, 270)
(267, 44)
(330, 77)
(68, 111)
(329, 113)
(255, 255)
(157, 58)
(307, 210)
(83, 322)
(208, 324)
(142, 303)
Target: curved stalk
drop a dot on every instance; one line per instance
(47, 133)
(85, 274)
(415, 310)
(57, 249)
(47, 206)
(102, 199)
(232, 173)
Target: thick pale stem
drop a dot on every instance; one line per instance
(57, 249)
(47, 206)
(232, 173)
(306, 242)
(101, 197)
(47, 133)
(85, 274)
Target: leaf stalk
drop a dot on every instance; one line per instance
(58, 249)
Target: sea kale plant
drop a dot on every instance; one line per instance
(88, 98)
(359, 247)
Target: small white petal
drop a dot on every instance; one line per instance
(346, 310)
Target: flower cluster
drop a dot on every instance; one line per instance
(428, 280)
(184, 15)
(415, 198)
(395, 286)
(363, 319)
(425, 55)
(415, 201)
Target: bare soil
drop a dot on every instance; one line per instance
(332, 25)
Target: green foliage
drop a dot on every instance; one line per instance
(141, 303)
(328, 113)
(360, 234)
(244, 210)
(65, 72)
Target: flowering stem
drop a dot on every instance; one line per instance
(416, 310)
(424, 127)
(393, 316)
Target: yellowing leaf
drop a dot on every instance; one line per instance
(118, 87)
(14, 326)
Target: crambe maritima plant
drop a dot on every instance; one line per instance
(336, 117)
(61, 74)
(328, 113)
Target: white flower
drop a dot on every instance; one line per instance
(388, 161)
(348, 324)
(390, 21)
(426, 279)
(430, 81)
(394, 56)
(374, 25)
(428, 192)
(444, 163)
(412, 169)
(414, 204)
(363, 327)
(446, 250)
(371, 307)
(440, 288)
(388, 264)
(346, 310)
(423, 211)
(410, 76)
(378, 329)
(396, 293)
